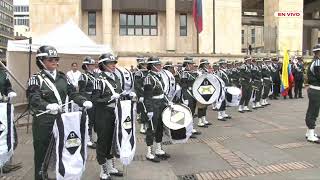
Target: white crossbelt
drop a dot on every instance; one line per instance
(161, 96)
(112, 105)
(315, 87)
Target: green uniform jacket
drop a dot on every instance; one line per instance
(85, 83)
(101, 94)
(245, 74)
(266, 72)
(256, 73)
(40, 95)
(314, 72)
(5, 85)
(139, 77)
(186, 82)
(153, 86)
(235, 76)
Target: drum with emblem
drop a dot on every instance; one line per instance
(70, 132)
(6, 132)
(178, 119)
(206, 89)
(125, 139)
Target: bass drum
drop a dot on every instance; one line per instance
(206, 89)
(178, 119)
(233, 95)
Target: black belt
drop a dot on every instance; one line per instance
(125, 97)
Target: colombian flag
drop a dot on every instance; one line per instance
(197, 14)
(287, 78)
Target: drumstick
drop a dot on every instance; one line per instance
(46, 161)
(145, 110)
(47, 111)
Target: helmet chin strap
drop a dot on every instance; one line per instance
(158, 70)
(44, 66)
(105, 67)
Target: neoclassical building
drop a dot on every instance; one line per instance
(166, 26)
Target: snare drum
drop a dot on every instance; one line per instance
(233, 95)
(178, 119)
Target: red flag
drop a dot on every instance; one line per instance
(197, 14)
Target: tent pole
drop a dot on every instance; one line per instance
(30, 53)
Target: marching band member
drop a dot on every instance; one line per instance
(245, 80)
(313, 95)
(298, 70)
(155, 102)
(202, 109)
(275, 73)
(107, 89)
(188, 76)
(223, 74)
(235, 73)
(267, 80)
(47, 90)
(215, 69)
(138, 87)
(256, 83)
(6, 95)
(85, 84)
(5, 85)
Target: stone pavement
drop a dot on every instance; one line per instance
(268, 143)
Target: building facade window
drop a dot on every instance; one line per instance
(242, 36)
(253, 36)
(21, 20)
(183, 25)
(6, 7)
(21, 8)
(3, 41)
(6, 18)
(134, 24)
(6, 30)
(92, 27)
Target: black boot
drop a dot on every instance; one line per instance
(7, 168)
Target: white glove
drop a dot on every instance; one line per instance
(132, 94)
(115, 96)
(261, 80)
(170, 104)
(12, 94)
(87, 104)
(150, 115)
(141, 99)
(186, 102)
(53, 108)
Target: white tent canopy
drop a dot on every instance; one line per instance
(67, 39)
(71, 43)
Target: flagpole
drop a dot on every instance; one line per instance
(198, 41)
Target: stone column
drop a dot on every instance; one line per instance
(283, 32)
(171, 25)
(206, 44)
(228, 25)
(107, 22)
(314, 31)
